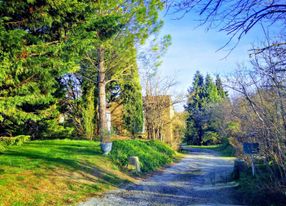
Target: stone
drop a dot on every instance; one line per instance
(134, 161)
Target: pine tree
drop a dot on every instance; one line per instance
(210, 90)
(203, 94)
(40, 42)
(195, 105)
(221, 92)
(133, 103)
(130, 24)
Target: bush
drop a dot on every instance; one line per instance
(17, 140)
(152, 154)
(211, 138)
(8, 141)
(51, 129)
(2, 148)
(260, 190)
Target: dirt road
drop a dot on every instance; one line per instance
(201, 178)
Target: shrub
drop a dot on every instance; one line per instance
(17, 140)
(211, 138)
(2, 148)
(152, 154)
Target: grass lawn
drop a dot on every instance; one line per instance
(55, 172)
(226, 150)
(65, 172)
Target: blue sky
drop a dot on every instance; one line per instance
(194, 48)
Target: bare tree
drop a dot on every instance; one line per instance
(158, 107)
(260, 108)
(236, 18)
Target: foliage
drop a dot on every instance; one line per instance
(9, 141)
(210, 138)
(17, 140)
(40, 42)
(152, 154)
(49, 53)
(179, 128)
(133, 104)
(2, 148)
(52, 129)
(125, 90)
(89, 112)
(204, 95)
(253, 191)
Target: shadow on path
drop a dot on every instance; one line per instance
(201, 178)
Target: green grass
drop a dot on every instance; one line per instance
(225, 150)
(152, 154)
(207, 146)
(61, 172)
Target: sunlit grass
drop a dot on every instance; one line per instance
(65, 172)
(217, 146)
(56, 172)
(225, 150)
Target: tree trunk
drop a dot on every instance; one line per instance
(103, 130)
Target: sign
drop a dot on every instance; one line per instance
(250, 148)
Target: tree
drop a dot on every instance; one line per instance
(211, 90)
(125, 90)
(133, 104)
(259, 111)
(194, 107)
(39, 43)
(219, 87)
(125, 24)
(201, 124)
(236, 18)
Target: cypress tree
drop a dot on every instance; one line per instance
(40, 41)
(221, 92)
(210, 90)
(195, 105)
(203, 94)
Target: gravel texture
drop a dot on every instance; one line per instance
(201, 178)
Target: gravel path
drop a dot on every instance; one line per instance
(201, 178)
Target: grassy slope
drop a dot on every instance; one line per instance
(56, 172)
(152, 154)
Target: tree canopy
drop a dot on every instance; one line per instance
(202, 95)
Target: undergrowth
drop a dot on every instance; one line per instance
(260, 190)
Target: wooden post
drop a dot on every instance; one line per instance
(252, 165)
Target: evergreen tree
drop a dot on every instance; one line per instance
(133, 103)
(38, 45)
(210, 90)
(195, 105)
(219, 86)
(120, 26)
(203, 94)
(123, 87)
